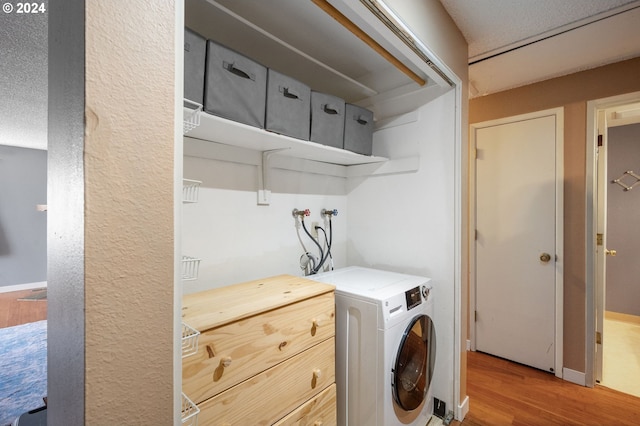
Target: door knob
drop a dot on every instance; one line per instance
(545, 257)
(610, 252)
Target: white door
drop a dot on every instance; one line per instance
(517, 204)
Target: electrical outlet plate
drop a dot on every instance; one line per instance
(264, 197)
(439, 408)
(313, 231)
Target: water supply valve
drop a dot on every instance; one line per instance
(301, 213)
(328, 212)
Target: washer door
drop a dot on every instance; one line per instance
(414, 364)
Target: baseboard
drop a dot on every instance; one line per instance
(463, 409)
(468, 345)
(616, 316)
(574, 376)
(21, 287)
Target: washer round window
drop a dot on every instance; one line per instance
(413, 368)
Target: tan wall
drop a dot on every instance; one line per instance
(129, 235)
(571, 92)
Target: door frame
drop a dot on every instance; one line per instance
(559, 116)
(594, 287)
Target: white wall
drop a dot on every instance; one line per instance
(239, 240)
(405, 222)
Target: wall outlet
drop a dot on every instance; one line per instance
(439, 408)
(313, 231)
(264, 197)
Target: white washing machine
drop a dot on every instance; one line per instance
(385, 347)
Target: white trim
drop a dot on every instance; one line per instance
(21, 287)
(559, 241)
(471, 238)
(462, 409)
(574, 376)
(591, 224)
(178, 175)
(458, 203)
(559, 278)
(468, 345)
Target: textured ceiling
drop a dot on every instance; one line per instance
(513, 43)
(491, 26)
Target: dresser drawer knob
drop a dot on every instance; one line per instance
(317, 423)
(317, 373)
(226, 361)
(316, 323)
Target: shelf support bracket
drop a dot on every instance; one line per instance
(264, 194)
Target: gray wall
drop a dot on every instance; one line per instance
(623, 222)
(23, 123)
(23, 229)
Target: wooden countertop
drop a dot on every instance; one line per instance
(219, 306)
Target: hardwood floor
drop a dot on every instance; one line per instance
(505, 393)
(14, 311)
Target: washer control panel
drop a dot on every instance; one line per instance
(413, 297)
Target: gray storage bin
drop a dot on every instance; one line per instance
(288, 106)
(327, 119)
(358, 129)
(195, 50)
(235, 86)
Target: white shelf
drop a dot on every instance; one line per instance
(221, 130)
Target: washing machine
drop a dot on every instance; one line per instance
(385, 347)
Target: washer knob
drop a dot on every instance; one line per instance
(425, 292)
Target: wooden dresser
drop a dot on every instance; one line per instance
(265, 355)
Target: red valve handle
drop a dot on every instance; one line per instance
(305, 212)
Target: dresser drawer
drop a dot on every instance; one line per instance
(318, 411)
(272, 394)
(239, 350)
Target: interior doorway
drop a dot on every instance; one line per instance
(516, 261)
(613, 323)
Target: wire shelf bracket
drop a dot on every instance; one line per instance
(190, 268)
(190, 338)
(191, 116)
(189, 412)
(190, 190)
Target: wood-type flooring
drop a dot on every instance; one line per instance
(14, 311)
(505, 393)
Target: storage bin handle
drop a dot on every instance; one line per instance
(330, 109)
(361, 120)
(232, 68)
(288, 93)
